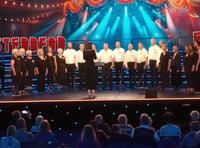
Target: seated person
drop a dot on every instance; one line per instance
(9, 141)
(100, 125)
(123, 124)
(189, 139)
(38, 120)
(170, 129)
(144, 134)
(22, 135)
(45, 137)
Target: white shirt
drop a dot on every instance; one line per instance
(170, 130)
(154, 53)
(130, 56)
(79, 57)
(141, 55)
(119, 54)
(106, 56)
(70, 56)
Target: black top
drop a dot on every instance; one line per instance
(17, 64)
(60, 62)
(189, 60)
(164, 60)
(23, 63)
(89, 57)
(40, 64)
(30, 65)
(176, 61)
(1, 67)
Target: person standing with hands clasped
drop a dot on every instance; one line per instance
(90, 71)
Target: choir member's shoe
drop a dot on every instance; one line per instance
(93, 97)
(89, 97)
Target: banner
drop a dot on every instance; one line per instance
(31, 43)
(196, 36)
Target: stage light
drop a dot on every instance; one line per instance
(84, 38)
(126, 106)
(159, 15)
(53, 6)
(107, 33)
(22, 4)
(1, 110)
(60, 129)
(42, 6)
(67, 113)
(114, 27)
(83, 28)
(75, 123)
(57, 5)
(47, 6)
(5, 2)
(35, 5)
(136, 111)
(138, 25)
(14, 3)
(104, 105)
(92, 111)
(101, 28)
(153, 114)
(114, 113)
(6, 19)
(126, 30)
(29, 5)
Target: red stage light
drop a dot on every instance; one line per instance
(22, 4)
(29, 5)
(14, 3)
(47, 6)
(36, 6)
(5, 2)
(53, 5)
(42, 6)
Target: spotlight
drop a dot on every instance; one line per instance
(29, 5)
(53, 6)
(14, 3)
(6, 19)
(22, 4)
(42, 6)
(35, 6)
(110, 9)
(47, 6)
(5, 2)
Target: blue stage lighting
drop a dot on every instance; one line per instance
(101, 28)
(126, 25)
(114, 27)
(76, 35)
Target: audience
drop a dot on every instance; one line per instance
(98, 134)
(123, 124)
(88, 138)
(25, 137)
(38, 120)
(45, 137)
(143, 134)
(9, 141)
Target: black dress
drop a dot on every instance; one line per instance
(30, 65)
(60, 70)
(23, 70)
(176, 70)
(51, 70)
(16, 80)
(189, 61)
(41, 65)
(164, 73)
(2, 75)
(90, 70)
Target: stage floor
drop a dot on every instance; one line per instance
(134, 95)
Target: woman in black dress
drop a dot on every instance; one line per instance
(23, 70)
(164, 67)
(30, 65)
(90, 70)
(189, 67)
(176, 68)
(16, 72)
(61, 68)
(51, 67)
(41, 69)
(197, 45)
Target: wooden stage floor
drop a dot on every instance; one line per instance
(107, 95)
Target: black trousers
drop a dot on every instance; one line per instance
(70, 74)
(141, 73)
(2, 77)
(41, 82)
(190, 78)
(107, 74)
(164, 78)
(23, 81)
(119, 73)
(153, 72)
(176, 77)
(81, 67)
(131, 72)
(50, 77)
(29, 79)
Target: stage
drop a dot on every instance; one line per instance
(123, 95)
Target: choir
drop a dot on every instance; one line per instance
(60, 68)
